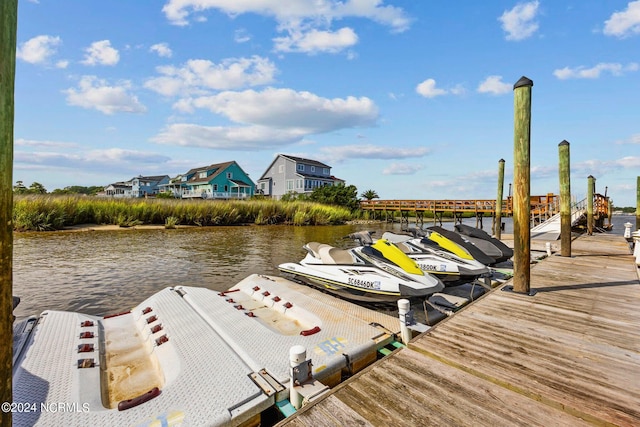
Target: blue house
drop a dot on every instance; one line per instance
(218, 181)
(140, 186)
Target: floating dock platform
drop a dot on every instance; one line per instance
(189, 356)
(567, 356)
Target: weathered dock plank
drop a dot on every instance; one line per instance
(569, 355)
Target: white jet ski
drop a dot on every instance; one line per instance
(448, 267)
(374, 272)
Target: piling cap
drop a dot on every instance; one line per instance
(524, 81)
(501, 161)
(564, 142)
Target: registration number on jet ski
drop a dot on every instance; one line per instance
(431, 267)
(368, 284)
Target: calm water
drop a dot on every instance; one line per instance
(105, 272)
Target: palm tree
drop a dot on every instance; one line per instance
(369, 195)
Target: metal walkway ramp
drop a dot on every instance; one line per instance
(550, 229)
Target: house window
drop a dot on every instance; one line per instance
(281, 169)
(202, 175)
(299, 183)
(313, 168)
(229, 175)
(215, 187)
(262, 185)
(226, 188)
(289, 184)
(325, 171)
(300, 167)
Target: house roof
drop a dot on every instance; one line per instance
(306, 161)
(240, 183)
(150, 178)
(219, 168)
(297, 160)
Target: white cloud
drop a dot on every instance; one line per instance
(428, 89)
(288, 109)
(519, 22)
(227, 138)
(131, 162)
(307, 23)
(39, 49)
(594, 72)
(20, 142)
(634, 139)
(199, 76)
(62, 64)
(162, 49)
(241, 36)
(101, 53)
(629, 162)
(178, 11)
(625, 23)
(370, 151)
(95, 93)
(494, 85)
(402, 169)
(315, 41)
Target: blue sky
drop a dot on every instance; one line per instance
(413, 99)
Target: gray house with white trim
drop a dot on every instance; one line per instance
(290, 174)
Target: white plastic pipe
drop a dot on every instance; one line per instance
(404, 307)
(297, 355)
(548, 246)
(627, 230)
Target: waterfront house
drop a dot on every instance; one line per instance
(218, 181)
(140, 186)
(290, 174)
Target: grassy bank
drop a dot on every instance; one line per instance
(42, 213)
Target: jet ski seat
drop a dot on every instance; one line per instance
(332, 255)
(314, 248)
(403, 247)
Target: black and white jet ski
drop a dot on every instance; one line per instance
(374, 272)
(448, 267)
(485, 242)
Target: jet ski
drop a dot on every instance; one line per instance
(456, 244)
(485, 242)
(376, 272)
(448, 267)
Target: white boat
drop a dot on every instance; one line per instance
(376, 272)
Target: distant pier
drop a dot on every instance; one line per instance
(542, 208)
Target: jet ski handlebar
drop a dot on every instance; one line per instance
(362, 237)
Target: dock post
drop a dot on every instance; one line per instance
(497, 226)
(404, 310)
(297, 356)
(522, 186)
(591, 185)
(8, 34)
(565, 198)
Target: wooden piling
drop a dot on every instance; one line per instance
(8, 30)
(591, 185)
(497, 226)
(564, 171)
(522, 186)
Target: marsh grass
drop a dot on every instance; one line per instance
(47, 212)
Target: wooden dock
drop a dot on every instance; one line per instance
(569, 355)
